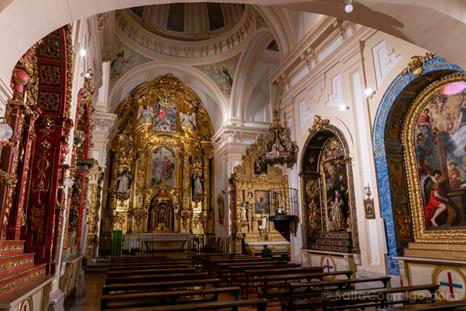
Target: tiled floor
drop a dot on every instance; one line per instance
(90, 300)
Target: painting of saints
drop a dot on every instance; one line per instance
(336, 191)
(164, 116)
(163, 168)
(440, 139)
(261, 204)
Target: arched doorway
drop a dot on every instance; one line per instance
(388, 151)
(329, 214)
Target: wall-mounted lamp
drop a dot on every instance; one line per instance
(343, 107)
(5, 130)
(369, 92)
(88, 74)
(348, 6)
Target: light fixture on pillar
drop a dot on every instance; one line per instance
(5, 130)
(369, 92)
(89, 74)
(348, 6)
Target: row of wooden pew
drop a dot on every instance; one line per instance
(213, 282)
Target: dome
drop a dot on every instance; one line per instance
(189, 21)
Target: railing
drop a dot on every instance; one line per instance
(284, 201)
(117, 244)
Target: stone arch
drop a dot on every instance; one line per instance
(388, 151)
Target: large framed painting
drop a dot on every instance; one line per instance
(434, 137)
(164, 119)
(163, 168)
(335, 195)
(261, 202)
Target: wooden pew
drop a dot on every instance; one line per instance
(159, 286)
(115, 273)
(377, 297)
(148, 266)
(256, 275)
(259, 303)
(280, 282)
(306, 295)
(236, 273)
(110, 302)
(155, 277)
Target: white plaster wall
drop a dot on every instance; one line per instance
(334, 89)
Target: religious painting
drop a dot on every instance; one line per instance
(163, 168)
(261, 202)
(164, 118)
(438, 129)
(335, 186)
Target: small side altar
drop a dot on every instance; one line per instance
(148, 242)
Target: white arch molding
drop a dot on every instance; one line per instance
(190, 76)
(24, 22)
(241, 84)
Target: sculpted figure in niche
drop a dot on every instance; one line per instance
(124, 182)
(197, 180)
(145, 114)
(188, 120)
(244, 212)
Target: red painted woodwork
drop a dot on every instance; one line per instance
(52, 128)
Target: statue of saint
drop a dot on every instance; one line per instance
(262, 223)
(244, 212)
(124, 182)
(197, 180)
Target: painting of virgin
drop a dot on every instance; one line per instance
(440, 143)
(163, 168)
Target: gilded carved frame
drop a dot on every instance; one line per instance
(421, 234)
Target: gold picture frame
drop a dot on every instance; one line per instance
(421, 233)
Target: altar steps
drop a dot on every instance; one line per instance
(17, 268)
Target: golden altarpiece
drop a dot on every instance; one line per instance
(256, 185)
(161, 161)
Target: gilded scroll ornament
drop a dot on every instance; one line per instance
(416, 64)
(318, 124)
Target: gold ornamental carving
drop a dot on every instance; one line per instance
(416, 64)
(162, 161)
(318, 124)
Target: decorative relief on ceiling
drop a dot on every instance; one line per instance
(222, 73)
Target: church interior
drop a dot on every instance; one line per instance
(232, 155)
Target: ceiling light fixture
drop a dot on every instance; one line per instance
(348, 6)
